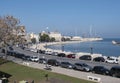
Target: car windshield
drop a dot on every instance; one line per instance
(34, 57)
(85, 64)
(110, 59)
(27, 56)
(65, 63)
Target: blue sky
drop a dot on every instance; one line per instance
(70, 17)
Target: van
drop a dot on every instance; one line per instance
(115, 71)
(53, 62)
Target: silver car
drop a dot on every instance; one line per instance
(67, 65)
(82, 67)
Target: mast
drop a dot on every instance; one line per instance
(75, 32)
(90, 33)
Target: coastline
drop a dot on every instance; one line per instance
(42, 46)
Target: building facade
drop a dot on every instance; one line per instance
(55, 35)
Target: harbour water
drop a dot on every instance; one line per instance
(104, 47)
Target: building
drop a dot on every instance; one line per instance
(55, 35)
(20, 33)
(36, 36)
(76, 38)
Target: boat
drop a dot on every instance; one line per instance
(115, 42)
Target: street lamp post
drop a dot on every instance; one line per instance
(62, 48)
(91, 50)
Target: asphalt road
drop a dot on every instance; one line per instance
(60, 59)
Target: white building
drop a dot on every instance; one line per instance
(55, 35)
(36, 36)
(76, 38)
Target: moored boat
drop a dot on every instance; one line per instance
(115, 42)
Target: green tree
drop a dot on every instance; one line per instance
(44, 38)
(52, 39)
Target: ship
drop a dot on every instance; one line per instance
(115, 42)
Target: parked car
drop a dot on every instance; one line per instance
(85, 57)
(10, 52)
(34, 58)
(71, 56)
(11, 48)
(53, 62)
(27, 58)
(42, 60)
(48, 52)
(66, 65)
(99, 59)
(33, 50)
(19, 55)
(82, 67)
(41, 51)
(112, 60)
(54, 53)
(101, 70)
(61, 55)
(115, 71)
(3, 50)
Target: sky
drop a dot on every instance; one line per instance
(69, 17)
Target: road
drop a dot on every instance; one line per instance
(91, 63)
(69, 72)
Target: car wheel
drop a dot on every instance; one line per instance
(93, 71)
(75, 68)
(87, 70)
(84, 70)
(104, 73)
(113, 75)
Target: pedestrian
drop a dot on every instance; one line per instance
(32, 81)
(15, 82)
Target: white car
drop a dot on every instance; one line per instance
(48, 52)
(33, 50)
(34, 58)
(112, 60)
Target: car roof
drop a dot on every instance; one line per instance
(99, 57)
(116, 67)
(80, 63)
(64, 62)
(52, 59)
(86, 55)
(98, 66)
(33, 56)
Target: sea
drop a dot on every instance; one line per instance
(104, 47)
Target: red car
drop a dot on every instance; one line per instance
(71, 56)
